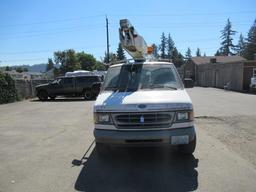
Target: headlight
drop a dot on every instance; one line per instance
(102, 118)
(184, 116)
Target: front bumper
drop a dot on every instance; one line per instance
(147, 137)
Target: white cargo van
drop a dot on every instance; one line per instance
(143, 103)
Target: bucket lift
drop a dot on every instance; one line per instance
(132, 42)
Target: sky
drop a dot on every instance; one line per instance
(31, 30)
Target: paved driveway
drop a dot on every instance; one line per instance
(39, 141)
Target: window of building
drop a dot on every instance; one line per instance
(254, 73)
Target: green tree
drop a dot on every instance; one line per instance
(120, 53)
(198, 52)
(19, 69)
(240, 47)
(155, 50)
(50, 65)
(227, 37)
(25, 69)
(170, 46)
(112, 58)
(87, 61)
(162, 47)
(217, 53)
(68, 60)
(188, 54)
(250, 48)
(8, 92)
(99, 66)
(7, 68)
(177, 58)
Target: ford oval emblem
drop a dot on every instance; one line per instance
(142, 106)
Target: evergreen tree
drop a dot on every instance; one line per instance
(217, 53)
(240, 47)
(226, 36)
(198, 52)
(204, 54)
(155, 50)
(112, 58)
(188, 54)
(120, 53)
(170, 46)
(250, 49)
(163, 46)
(177, 58)
(50, 65)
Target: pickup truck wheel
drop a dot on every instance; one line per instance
(96, 90)
(188, 148)
(42, 95)
(88, 94)
(102, 149)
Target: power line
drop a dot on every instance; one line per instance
(54, 29)
(49, 33)
(51, 50)
(186, 14)
(52, 21)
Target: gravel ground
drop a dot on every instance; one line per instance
(39, 141)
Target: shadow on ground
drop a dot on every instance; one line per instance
(140, 169)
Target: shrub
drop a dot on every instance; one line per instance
(8, 92)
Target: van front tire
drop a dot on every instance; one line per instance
(188, 148)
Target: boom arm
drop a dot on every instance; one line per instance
(131, 41)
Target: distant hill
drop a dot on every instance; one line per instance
(37, 68)
(31, 68)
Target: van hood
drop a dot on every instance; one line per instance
(143, 100)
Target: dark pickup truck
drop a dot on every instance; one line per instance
(86, 86)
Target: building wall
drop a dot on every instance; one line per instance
(26, 89)
(190, 70)
(219, 74)
(248, 73)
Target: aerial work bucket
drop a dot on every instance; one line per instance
(131, 41)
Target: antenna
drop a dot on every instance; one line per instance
(107, 39)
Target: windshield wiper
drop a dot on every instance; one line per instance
(163, 86)
(112, 88)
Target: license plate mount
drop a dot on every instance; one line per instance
(180, 140)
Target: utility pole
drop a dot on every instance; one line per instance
(107, 40)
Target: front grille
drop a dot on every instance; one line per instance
(143, 120)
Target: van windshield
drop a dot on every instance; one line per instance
(138, 76)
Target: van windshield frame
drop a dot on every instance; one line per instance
(133, 77)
